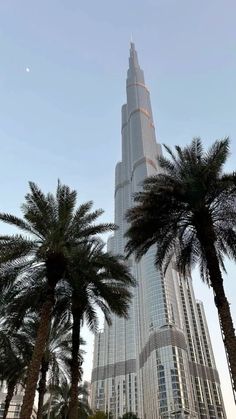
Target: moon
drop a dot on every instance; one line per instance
(27, 69)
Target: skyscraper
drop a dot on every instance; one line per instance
(159, 363)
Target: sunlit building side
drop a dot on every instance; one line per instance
(159, 363)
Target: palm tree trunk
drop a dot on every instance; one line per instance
(42, 387)
(75, 374)
(34, 367)
(224, 313)
(206, 237)
(10, 393)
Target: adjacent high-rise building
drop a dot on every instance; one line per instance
(159, 363)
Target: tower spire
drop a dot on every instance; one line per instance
(133, 58)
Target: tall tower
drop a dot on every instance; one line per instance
(159, 363)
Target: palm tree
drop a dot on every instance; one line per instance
(58, 407)
(54, 228)
(188, 211)
(12, 372)
(15, 352)
(96, 279)
(83, 395)
(55, 361)
(21, 305)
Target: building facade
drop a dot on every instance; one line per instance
(15, 405)
(159, 363)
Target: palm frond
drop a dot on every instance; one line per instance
(173, 206)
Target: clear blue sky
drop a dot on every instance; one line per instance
(62, 118)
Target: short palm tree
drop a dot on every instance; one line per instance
(96, 279)
(12, 374)
(52, 228)
(21, 304)
(15, 353)
(55, 361)
(58, 406)
(189, 212)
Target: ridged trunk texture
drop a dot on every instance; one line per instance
(75, 364)
(206, 236)
(10, 393)
(55, 268)
(42, 387)
(34, 367)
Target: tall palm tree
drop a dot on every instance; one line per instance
(96, 279)
(52, 228)
(189, 212)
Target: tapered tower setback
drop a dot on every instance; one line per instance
(159, 363)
